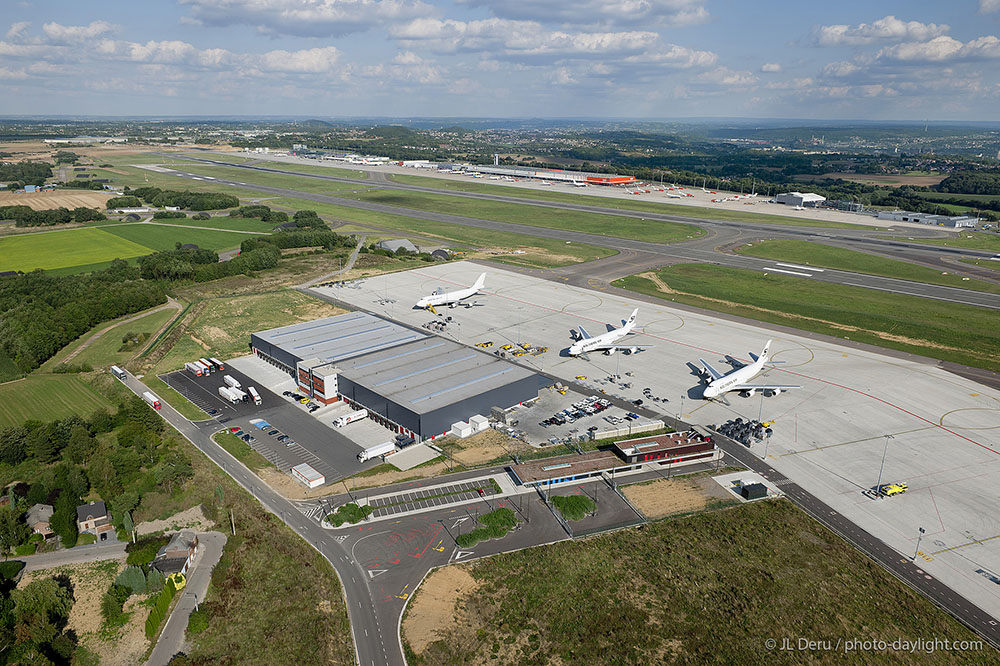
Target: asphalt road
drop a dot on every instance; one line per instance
(171, 639)
(696, 250)
(77, 555)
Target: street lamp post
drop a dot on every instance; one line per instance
(878, 486)
(920, 535)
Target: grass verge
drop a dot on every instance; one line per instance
(816, 254)
(47, 398)
(495, 525)
(708, 588)
(186, 408)
(947, 331)
(241, 451)
(967, 240)
(574, 507)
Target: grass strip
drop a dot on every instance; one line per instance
(241, 451)
(495, 525)
(947, 331)
(574, 507)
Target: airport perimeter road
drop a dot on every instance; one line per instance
(366, 624)
(672, 253)
(900, 565)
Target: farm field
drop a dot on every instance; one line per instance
(774, 573)
(225, 223)
(828, 256)
(64, 249)
(47, 397)
(58, 199)
(947, 331)
(538, 252)
(919, 178)
(165, 236)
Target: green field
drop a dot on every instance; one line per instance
(549, 253)
(64, 249)
(225, 223)
(46, 398)
(983, 263)
(290, 180)
(705, 589)
(284, 166)
(165, 237)
(104, 351)
(816, 254)
(618, 204)
(947, 331)
(967, 240)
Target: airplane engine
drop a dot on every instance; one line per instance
(773, 392)
(749, 393)
(630, 350)
(609, 351)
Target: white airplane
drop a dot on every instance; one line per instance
(451, 298)
(736, 380)
(606, 341)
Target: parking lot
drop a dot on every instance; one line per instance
(328, 452)
(427, 498)
(530, 419)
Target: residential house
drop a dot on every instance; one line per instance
(178, 554)
(95, 519)
(38, 518)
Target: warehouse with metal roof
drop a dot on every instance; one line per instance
(329, 340)
(413, 383)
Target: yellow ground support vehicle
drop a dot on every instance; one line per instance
(507, 347)
(890, 489)
(581, 377)
(484, 345)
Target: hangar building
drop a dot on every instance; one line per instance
(806, 199)
(410, 382)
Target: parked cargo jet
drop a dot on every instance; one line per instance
(736, 380)
(451, 298)
(606, 341)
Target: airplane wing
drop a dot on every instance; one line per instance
(622, 348)
(583, 332)
(762, 387)
(712, 371)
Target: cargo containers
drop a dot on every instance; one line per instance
(376, 451)
(230, 382)
(254, 395)
(151, 399)
(340, 422)
(118, 373)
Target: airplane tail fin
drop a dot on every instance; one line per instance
(480, 282)
(630, 323)
(764, 354)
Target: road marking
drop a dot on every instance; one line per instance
(376, 572)
(459, 521)
(463, 553)
(781, 270)
(804, 268)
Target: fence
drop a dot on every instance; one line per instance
(628, 431)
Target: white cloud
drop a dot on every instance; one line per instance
(770, 67)
(306, 18)
(840, 69)
(518, 39)
(601, 12)
(988, 6)
(23, 50)
(17, 29)
(728, 77)
(942, 49)
(74, 34)
(803, 83)
(407, 58)
(887, 29)
(675, 56)
(312, 61)
(9, 74)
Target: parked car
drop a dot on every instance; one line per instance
(234, 429)
(272, 433)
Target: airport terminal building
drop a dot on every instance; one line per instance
(413, 383)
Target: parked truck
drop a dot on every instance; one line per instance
(194, 368)
(341, 421)
(232, 383)
(208, 364)
(118, 373)
(227, 394)
(254, 395)
(153, 401)
(217, 363)
(376, 451)
(204, 368)
(240, 395)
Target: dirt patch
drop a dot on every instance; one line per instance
(432, 612)
(891, 337)
(60, 199)
(127, 645)
(385, 478)
(216, 334)
(665, 497)
(193, 518)
(485, 446)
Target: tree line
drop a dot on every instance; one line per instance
(25, 216)
(19, 174)
(154, 196)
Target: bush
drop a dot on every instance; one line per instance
(10, 568)
(25, 549)
(197, 622)
(160, 607)
(132, 578)
(123, 202)
(154, 580)
(349, 513)
(69, 368)
(143, 551)
(496, 524)
(574, 507)
(168, 215)
(112, 604)
(36, 538)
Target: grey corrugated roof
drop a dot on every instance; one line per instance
(340, 337)
(393, 245)
(431, 373)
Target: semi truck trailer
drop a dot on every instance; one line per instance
(341, 421)
(230, 382)
(376, 451)
(151, 399)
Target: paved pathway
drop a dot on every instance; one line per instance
(170, 304)
(171, 639)
(77, 555)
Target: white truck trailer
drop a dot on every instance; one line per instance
(376, 451)
(118, 373)
(153, 401)
(208, 364)
(341, 421)
(194, 368)
(217, 363)
(254, 395)
(230, 382)
(227, 394)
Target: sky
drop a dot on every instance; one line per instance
(659, 59)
